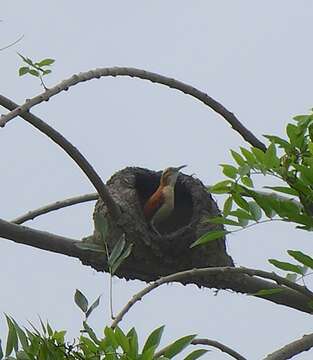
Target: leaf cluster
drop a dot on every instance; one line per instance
(290, 161)
(48, 344)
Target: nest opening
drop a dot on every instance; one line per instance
(147, 183)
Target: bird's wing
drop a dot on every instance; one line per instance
(153, 204)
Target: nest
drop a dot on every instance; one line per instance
(154, 255)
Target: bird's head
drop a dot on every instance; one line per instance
(169, 175)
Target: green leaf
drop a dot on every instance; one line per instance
(222, 220)
(12, 340)
(196, 354)
(101, 225)
(34, 72)
(238, 158)
(266, 292)
(46, 72)
(149, 354)
(21, 335)
(122, 339)
(109, 333)
(271, 160)
(81, 301)
(210, 236)
(229, 171)
(310, 147)
(120, 260)
(306, 172)
(279, 141)
(220, 187)
(248, 155)
(117, 250)
(23, 70)
(133, 343)
(255, 210)
(241, 214)
(154, 338)
(244, 170)
(283, 189)
(240, 201)
(94, 305)
(286, 266)
(1, 351)
(228, 204)
(91, 333)
(246, 180)
(178, 346)
(259, 154)
(302, 258)
(45, 62)
(291, 131)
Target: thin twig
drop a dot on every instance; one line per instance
(31, 215)
(141, 74)
(209, 271)
(292, 349)
(13, 43)
(72, 151)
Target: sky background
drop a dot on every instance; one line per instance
(253, 57)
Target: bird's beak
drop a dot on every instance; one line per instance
(180, 167)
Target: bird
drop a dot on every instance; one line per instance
(161, 203)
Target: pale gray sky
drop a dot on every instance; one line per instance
(254, 57)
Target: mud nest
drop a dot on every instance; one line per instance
(153, 255)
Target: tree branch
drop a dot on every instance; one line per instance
(219, 278)
(183, 275)
(294, 348)
(219, 346)
(207, 342)
(141, 74)
(72, 151)
(30, 215)
(13, 43)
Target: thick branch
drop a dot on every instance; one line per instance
(221, 278)
(141, 74)
(294, 348)
(39, 239)
(219, 346)
(71, 150)
(184, 275)
(30, 215)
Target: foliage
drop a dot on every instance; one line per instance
(48, 344)
(37, 69)
(288, 160)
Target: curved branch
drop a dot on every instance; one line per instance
(72, 151)
(13, 43)
(207, 342)
(30, 215)
(219, 346)
(183, 275)
(294, 348)
(141, 74)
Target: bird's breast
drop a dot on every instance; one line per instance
(168, 204)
